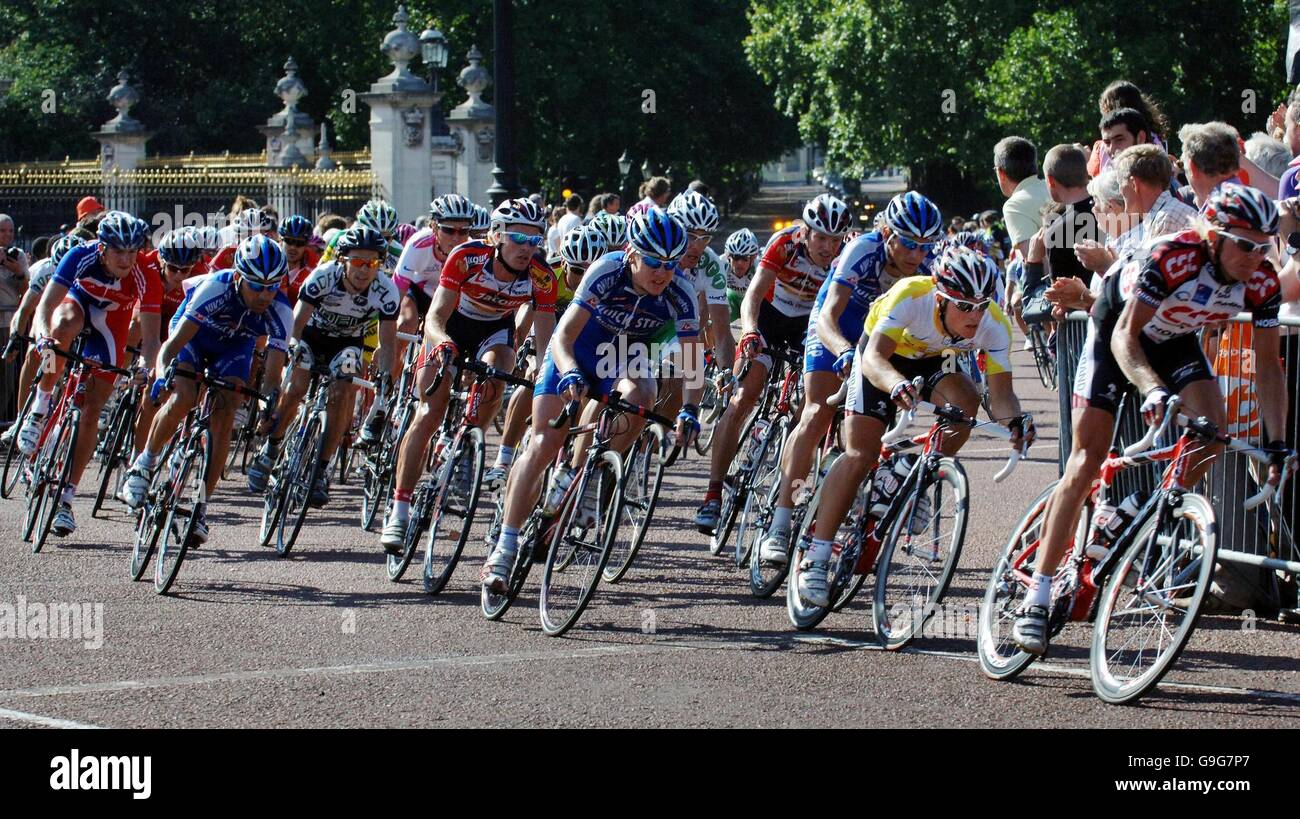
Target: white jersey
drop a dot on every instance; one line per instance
(419, 264)
(342, 313)
(707, 278)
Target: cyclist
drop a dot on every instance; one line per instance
(579, 249)
(870, 265)
(300, 257)
(738, 257)
(335, 306)
(376, 215)
(215, 329)
(1142, 332)
(252, 222)
(774, 314)
(907, 332)
(421, 261)
(613, 227)
(482, 223)
(480, 288)
(629, 294)
(93, 290)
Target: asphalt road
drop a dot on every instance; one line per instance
(324, 639)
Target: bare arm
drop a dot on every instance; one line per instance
(758, 287)
(828, 320)
(1270, 380)
(1126, 345)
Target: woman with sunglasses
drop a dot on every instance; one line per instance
(336, 306)
(579, 249)
(215, 330)
(1142, 332)
(623, 301)
(869, 266)
(774, 314)
(480, 289)
(907, 333)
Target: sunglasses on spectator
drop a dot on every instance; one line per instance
(453, 231)
(1246, 245)
(370, 263)
(912, 244)
(654, 263)
(524, 239)
(966, 306)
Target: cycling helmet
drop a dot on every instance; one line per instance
(967, 238)
(518, 212)
(827, 214)
(61, 246)
(296, 227)
(482, 219)
(742, 243)
(260, 259)
(1237, 206)
(695, 211)
(179, 248)
(361, 237)
(583, 245)
(404, 233)
(654, 232)
(122, 231)
(965, 274)
(256, 220)
(379, 215)
(913, 215)
(452, 206)
(613, 227)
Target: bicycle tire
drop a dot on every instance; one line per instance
(13, 460)
(178, 525)
(305, 458)
(494, 605)
(470, 445)
(733, 498)
(65, 444)
(122, 428)
(764, 579)
(646, 465)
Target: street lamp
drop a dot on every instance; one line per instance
(433, 48)
(625, 180)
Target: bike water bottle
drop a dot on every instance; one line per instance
(1124, 515)
(559, 488)
(1098, 545)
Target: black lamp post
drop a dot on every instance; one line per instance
(625, 180)
(433, 48)
(503, 64)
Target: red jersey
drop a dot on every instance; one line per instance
(797, 278)
(484, 297)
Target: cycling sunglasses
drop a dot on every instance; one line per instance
(453, 231)
(258, 287)
(295, 243)
(966, 306)
(524, 239)
(912, 244)
(370, 263)
(1246, 245)
(654, 264)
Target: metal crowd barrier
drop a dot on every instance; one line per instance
(1244, 536)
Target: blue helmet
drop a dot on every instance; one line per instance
(122, 231)
(913, 214)
(61, 246)
(295, 227)
(260, 259)
(654, 233)
(180, 248)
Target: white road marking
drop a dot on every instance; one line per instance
(1055, 668)
(37, 719)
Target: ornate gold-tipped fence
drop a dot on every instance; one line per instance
(171, 191)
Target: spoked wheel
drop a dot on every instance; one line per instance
(641, 480)
(120, 442)
(844, 581)
(377, 471)
(422, 501)
(301, 474)
(580, 543)
(764, 578)
(919, 554)
(13, 458)
(736, 484)
(58, 474)
(711, 408)
(1000, 658)
(494, 605)
(242, 442)
(1044, 358)
(184, 494)
(1153, 599)
(149, 525)
(453, 511)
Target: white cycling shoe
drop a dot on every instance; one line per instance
(29, 433)
(775, 548)
(813, 585)
(496, 571)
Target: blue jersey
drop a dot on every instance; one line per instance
(213, 302)
(861, 268)
(616, 309)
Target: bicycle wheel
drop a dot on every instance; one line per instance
(1000, 658)
(58, 475)
(453, 511)
(377, 472)
(711, 407)
(300, 475)
(844, 582)
(1043, 358)
(641, 481)
(494, 605)
(760, 503)
(13, 458)
(183, 494)
(918, 557)
(579, 549)
(118, 448)
(1153, 598)
(735, 486)
(148, 527)
(274, 500)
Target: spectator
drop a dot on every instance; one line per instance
(656, 192)
(1271, 155)
(596, 205)
(614, 203)
(1124, 94)
(1015, 161)
(1210, 158)
(570, 218)
(955, 225)
(1123, 128)
(699, 187)
(88, 206)
(1288, 186)
(40, 249)
(13, 268)
(996, 235)
(1052, 255)
(1144, 173)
